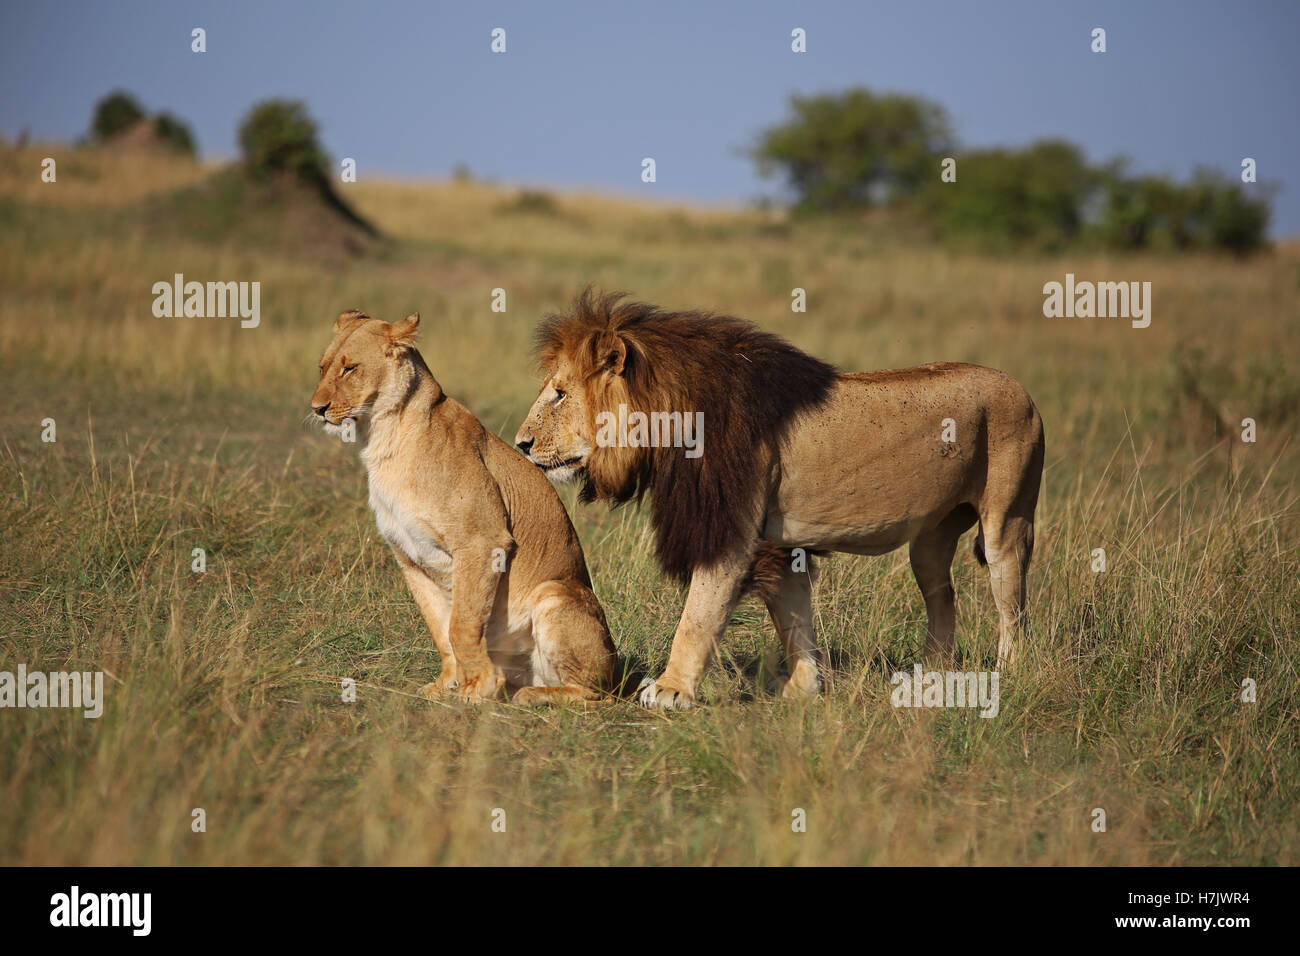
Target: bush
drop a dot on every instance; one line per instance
(1233, 220)
(174, 133)
(119, 112)
(1014, 196)
(114, 113)
(1141, 212)
(855, 149)
(277, 137)
(1210, 212)
(531, 201)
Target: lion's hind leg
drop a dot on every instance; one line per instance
(1007, 534)
(931, 555)
(538, 695)
(1008, 546)
(573, 655)
(790, 605)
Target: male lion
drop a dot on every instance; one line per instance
(485, 544)
(794, 455)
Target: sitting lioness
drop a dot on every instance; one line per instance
(485, 544)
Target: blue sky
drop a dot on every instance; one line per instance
(586, 89)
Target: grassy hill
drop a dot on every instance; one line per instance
(223, 687)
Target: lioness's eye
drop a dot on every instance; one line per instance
(348, 368)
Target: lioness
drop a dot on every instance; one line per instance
(487, 549)
(793, 455)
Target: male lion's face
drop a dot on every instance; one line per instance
(558, 434)
(358, 367)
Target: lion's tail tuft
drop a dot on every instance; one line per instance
(771, 563)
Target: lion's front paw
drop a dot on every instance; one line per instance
(804, 682)
(448, 682)
(790, 689)
(661, 694)
(486, 684)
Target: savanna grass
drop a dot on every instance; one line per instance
(224, 688)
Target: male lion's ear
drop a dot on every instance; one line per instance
(403, 333)
(611, 354)
(347, 318)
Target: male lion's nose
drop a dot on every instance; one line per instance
(320, 409)
(524, 444)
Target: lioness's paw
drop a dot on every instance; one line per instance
(447, 683)
(530, 697)
(658, 694)
(484, 685)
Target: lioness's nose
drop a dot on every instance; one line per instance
(320, 409)
(524, 444)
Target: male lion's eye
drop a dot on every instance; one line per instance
(559, 396)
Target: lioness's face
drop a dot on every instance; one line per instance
(558, 434)
(354, 372)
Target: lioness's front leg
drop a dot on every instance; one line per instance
(473, 596)
(432, 603)
(709, 602)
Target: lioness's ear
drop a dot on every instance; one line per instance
(403, 333)
(611, 354)
(347, 318)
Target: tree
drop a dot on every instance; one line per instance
(174, 133)
(114, 113)
(855, 149)
(1037, 194)
(279, 137)
(1211, 211)
(1234, 221)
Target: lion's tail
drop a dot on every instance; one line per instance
(771, 563)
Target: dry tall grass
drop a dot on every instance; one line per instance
(223, 688)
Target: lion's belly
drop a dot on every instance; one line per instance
(870, 512)
(848, 533)
(876, 467)
(868, 506)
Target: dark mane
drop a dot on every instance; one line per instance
(749, 384)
